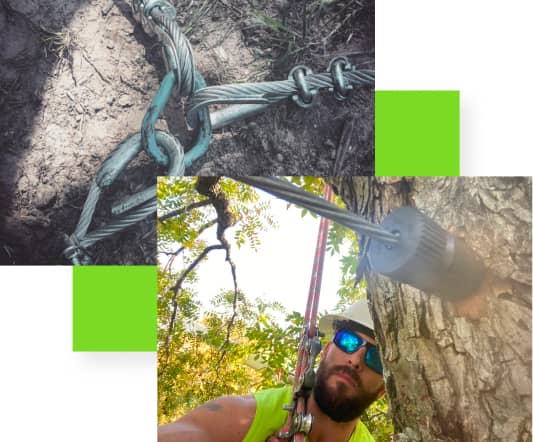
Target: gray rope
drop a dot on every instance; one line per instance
(121, 223)
(289, 192)
(271, 91)
(88, 210)
(178, 52)
(146, 201)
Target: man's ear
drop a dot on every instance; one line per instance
(381, 392)
(326, 350)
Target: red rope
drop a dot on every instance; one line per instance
(310, 317)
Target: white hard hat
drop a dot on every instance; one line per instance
(358, 312)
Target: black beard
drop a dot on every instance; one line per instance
(339, 405)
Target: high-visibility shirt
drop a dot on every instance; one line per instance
(270, 416)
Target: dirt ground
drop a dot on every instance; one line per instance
(76, 78)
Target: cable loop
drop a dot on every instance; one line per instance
(306, 96)
(133, 208)
(74, 251)
(159, 17)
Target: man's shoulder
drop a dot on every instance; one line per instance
(273, 393)
(361, 434)
(269, 413)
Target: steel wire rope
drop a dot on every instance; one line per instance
(271, 91)
(289, 192)
(178, 51)
(109, 171)
(121, 223)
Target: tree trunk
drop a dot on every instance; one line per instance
(456, 371)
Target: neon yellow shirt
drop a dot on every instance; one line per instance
(270, 417)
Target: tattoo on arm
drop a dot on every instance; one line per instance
(212, 407)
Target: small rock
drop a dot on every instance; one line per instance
(207, 169)
(99, 105)
(208, 165)
(32, 221)
(45, 197)
(279, 157)
(33, 180)
(23, 184)
(110, 100)
(329, 143)
(323, 165)
(124, 101)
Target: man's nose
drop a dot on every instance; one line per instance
(357, 359)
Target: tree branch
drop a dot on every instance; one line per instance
(200, 231)
(208, 186)
(177, 287)
(231, 322)
(191, 206)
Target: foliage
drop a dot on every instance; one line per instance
(212, 347)
(378, 421)
(199, 350)
(175, 193)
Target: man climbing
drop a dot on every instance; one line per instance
(348, 379)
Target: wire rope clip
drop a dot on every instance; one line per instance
(306, 97)
(336, 68)
(75, 252)
(427, 257)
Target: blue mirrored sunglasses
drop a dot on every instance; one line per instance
(350, 342)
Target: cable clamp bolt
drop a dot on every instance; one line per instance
(306, 97)
(336, 68)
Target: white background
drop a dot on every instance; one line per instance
(482, 48)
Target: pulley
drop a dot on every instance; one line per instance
(426, 256)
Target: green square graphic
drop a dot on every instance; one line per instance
(417, 133)
(114, 308)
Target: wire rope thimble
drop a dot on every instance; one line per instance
(176, 167)
(306, 97)
(336, 68)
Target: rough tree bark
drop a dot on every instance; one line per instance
(457, 371)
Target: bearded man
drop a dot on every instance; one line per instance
(348, 379)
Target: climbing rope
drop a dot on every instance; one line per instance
(158, 17)
(299, 422)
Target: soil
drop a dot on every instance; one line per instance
(76, 77)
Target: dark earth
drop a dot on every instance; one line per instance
(76, 78)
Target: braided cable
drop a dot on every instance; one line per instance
(289, 192)
(88, 210)
(271, 91)
(178, 51)
(146, 201)
(121, 223)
